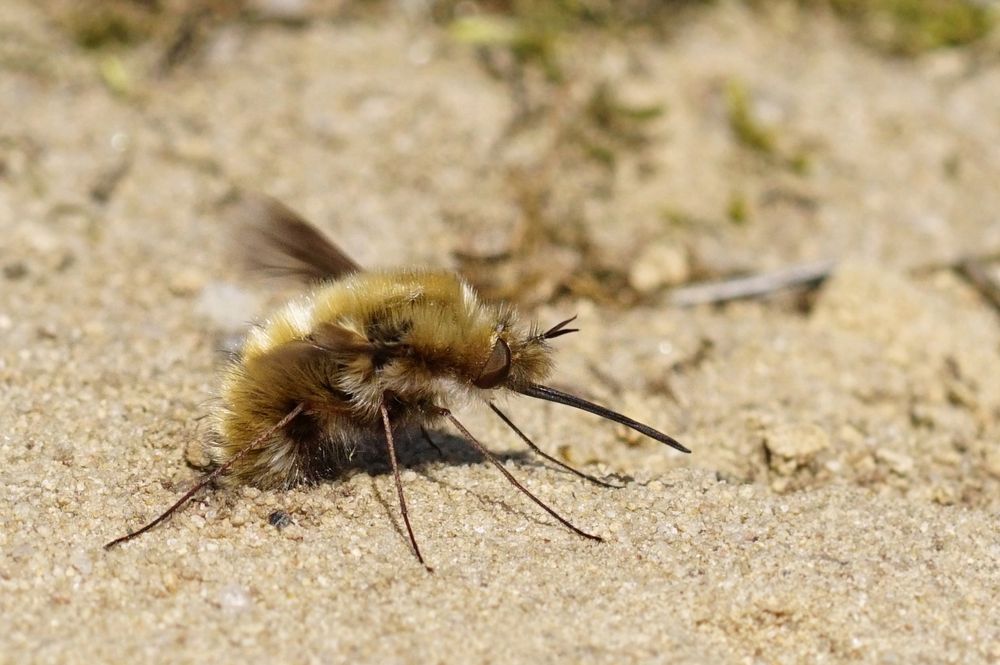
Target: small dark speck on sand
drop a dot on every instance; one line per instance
(14, 271)
(279, 519)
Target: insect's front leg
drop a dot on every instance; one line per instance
(391, 449)
(492, 459)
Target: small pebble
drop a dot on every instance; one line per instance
(900, 463)
(186, 282)
(659, 265)
(796, 441)
(234, 598)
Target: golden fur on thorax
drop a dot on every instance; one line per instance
(417, 338)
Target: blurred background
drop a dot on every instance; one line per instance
(777, 221)
(608, 150)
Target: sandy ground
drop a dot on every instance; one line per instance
(843, 497)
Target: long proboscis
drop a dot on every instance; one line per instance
(559, 397)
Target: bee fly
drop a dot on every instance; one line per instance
(364, 353)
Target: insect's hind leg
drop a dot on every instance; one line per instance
(291, 415)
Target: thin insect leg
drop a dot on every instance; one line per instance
(210, 477)
(531, 444)
(390, 444)
(428, 439)
(488, 455)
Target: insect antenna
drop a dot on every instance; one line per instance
(560, 329)
(559, 397)
(531, 444)
(210, 477)
(390, 444)
(513, 481)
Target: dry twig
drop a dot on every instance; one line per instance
(753, 286)
(810, 275)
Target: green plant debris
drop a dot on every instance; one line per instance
(747, 129)
(529, 41)
(116, 76)
(492, 30)
(759, 138)
(533, 29)
(103, 25)
(911, 27)
(609, 113)
(800, 163)
(682, 219)
(97, 25)
(569, 14)
(738, 209)
(606, 124)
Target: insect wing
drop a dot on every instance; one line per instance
(279, 241)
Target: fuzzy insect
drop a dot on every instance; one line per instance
(361, 355)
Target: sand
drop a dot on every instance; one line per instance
(842, 499)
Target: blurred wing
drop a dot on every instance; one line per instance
(280, 242)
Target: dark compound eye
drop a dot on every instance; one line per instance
(497, 367)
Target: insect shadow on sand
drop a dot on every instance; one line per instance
(442, 448)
